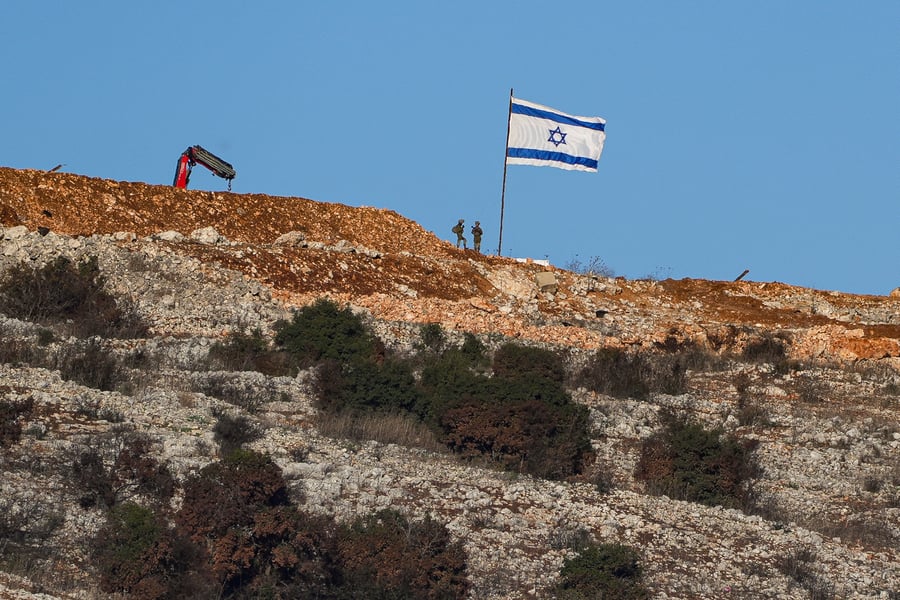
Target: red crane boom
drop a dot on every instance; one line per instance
(195, 155)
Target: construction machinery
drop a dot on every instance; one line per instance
(195, 155)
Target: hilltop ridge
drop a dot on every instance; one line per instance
(390, 265)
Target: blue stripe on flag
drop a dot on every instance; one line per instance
(552, 116)
(551, 156)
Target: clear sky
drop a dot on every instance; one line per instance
(759, 135)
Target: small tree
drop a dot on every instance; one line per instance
(325, 331)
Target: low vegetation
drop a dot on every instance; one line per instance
(66, 294)
(602, 571)
(238, 532)
(238, 535)
(686, 461)
(516, 413)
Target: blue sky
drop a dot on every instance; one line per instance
(756, 135)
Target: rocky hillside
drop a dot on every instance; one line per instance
(198, 266)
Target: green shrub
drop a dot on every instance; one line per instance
(602, 571)
(473, 349)
(323, 331)
(433, 336)
(514, 360)
(61, 291)
(366, 386)
(521, 417)
(688, 462)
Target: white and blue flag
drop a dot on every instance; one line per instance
(542, 136)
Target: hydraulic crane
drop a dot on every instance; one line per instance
(195, 155)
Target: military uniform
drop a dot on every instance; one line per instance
(476, 235)
(459, 230)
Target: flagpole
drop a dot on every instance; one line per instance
(503, 193)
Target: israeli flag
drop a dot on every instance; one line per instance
(542, 136)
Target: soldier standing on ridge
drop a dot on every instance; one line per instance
(476, 235)
(459, 229)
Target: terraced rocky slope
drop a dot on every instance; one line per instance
(198, 265)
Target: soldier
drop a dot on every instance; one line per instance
(459, 229)
(476, 235)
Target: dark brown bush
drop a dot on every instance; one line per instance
(136, 553)
(387, 556)
(529, 436)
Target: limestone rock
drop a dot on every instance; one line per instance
(208, 235)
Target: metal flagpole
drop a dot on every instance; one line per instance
(503, 193)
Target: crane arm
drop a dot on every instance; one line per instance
(197, 155)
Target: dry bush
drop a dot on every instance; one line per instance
(798, 565)
(237, 391)
(636, 375)
(249, 352)
(750, 411)
(117, 466)
(811, 390)
(401, 429)
(26, 526)
(64, 292)
(385, 555)
(17, 351)
(768, 348)
(89, 363)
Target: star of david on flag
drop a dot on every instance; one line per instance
(543, 136)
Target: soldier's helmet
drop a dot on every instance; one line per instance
(461, 220)
(478, 222)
